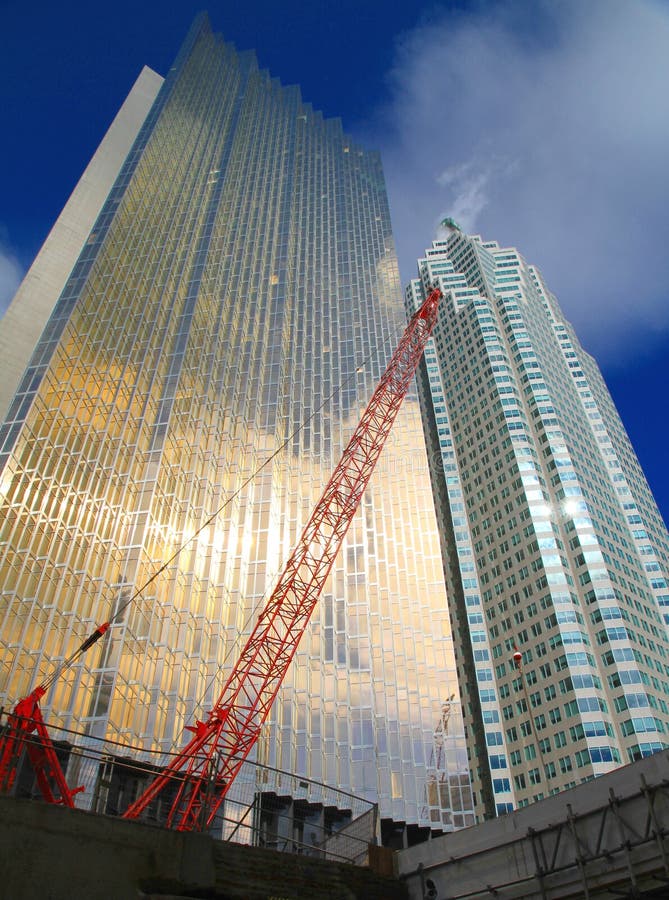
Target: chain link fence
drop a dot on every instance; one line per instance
(263, 807)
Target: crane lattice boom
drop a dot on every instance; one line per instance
(207, 765)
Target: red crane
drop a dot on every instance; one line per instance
(207, 765)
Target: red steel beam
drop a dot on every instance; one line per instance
(207, 765)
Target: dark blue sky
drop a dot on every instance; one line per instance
(66, 67)
(420, 81)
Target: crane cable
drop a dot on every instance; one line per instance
(102, 629)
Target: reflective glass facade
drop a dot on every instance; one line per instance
(554, 546)
(241, 270)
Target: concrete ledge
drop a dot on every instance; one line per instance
(63, 854)
(50, 851)
(595, 838)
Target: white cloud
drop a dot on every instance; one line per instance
(467, 184)
(11, 274)
(544, 126)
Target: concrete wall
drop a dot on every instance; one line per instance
(608, 833)
(52, 853)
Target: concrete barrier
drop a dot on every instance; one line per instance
(53, 853)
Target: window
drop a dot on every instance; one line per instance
(604, 754)
(576, 732)
(503, 808)
(499, 785)
(565, 764)
(582, 758)
(549, 770)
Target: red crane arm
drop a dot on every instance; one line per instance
(207, 765)
(27, 731)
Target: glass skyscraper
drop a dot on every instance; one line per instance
(555, 552)
(234, 295)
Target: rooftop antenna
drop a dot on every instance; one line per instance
(450, 224)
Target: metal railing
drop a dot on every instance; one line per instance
(264, 806)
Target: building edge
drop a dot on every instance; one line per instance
(33, 303)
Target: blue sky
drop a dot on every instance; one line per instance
(543, 124)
